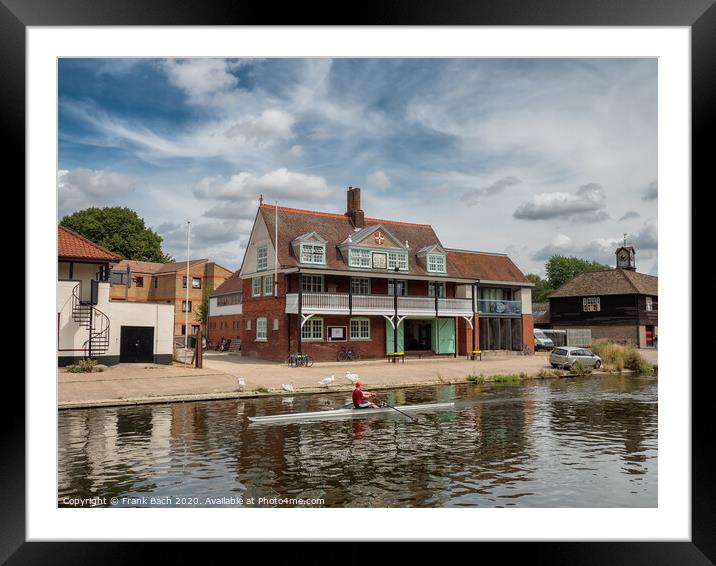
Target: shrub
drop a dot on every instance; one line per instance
(579, 369)
(476, 379)
(544, 372)
(262, 390)
(636, 363)
(83, 366)
(507, 378)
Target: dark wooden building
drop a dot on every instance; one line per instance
(619, 304)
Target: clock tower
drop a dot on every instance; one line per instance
(626, 256)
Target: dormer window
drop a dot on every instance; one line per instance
(436, 263)
(313, 253)
(360, 258)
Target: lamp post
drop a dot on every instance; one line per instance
(186, 303)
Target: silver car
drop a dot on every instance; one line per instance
(566, 356)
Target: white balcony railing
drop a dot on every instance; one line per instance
(338, 303)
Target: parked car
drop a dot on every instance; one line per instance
(542, 342)
(567, 356)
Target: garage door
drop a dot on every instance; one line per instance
(136, 344)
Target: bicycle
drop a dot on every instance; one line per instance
(299, 359)
(347, 354)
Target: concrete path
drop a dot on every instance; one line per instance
(149, 383)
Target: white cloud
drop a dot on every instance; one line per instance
(268, 125)
(200, 78)
(378, 180)
(588, 203)
(296, 151)
(82, 188)
(277, 184)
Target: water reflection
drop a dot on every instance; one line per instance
(582, 443)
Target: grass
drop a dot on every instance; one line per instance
(476, 379)
(507, 378)
(83, 366)
(544, 372)
(262, 390)
(579, 369)
(617, 357)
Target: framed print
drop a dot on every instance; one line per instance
(523, 152)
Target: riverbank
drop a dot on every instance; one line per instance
(134, 384)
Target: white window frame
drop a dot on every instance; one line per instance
(261, 329)
(359, 336)
(393, 282)
(358, 257)
(256, 283)
(262, 258)
(399, 260)
(184, 305)
(268, 285)
(649, 304)
(431, 289)
(313, 278)
(308, 333)
(436, 263)
(591, 304)
(309, 255)
(357, 280)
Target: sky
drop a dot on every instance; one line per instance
(529, 157)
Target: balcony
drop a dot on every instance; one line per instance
(338, 303)
(498, 307)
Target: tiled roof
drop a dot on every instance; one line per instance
(232, 285)
(138, 266)
(485, 266)
(609, 282)
(70, 245)
(335, 228)
(178, 266)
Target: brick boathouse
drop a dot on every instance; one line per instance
(318, 282)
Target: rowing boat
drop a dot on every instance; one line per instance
(348, 413)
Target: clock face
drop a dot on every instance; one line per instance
(624, 256)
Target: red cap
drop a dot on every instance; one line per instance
(359, 384)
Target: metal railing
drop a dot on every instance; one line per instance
(342, 303)
(87, 315)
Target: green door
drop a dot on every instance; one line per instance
(389, 338)
(444, 342)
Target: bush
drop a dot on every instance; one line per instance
(544, 372)
(262, 390)
(476, 379)
(636, 363)
(83, 366)
(618, 357)
(579, 369)
(507, 378)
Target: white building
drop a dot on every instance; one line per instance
(90, 325)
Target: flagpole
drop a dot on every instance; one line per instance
(186, 306)
(275, 256)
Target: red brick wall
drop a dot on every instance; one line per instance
(328, 351)
(272, 308)
(226, 326)
(528, 332)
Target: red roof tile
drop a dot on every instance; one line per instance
(485, 266)
(609, 282)
(70, 245)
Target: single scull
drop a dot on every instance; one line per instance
(347, 413)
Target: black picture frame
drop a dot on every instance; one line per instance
(699, 15)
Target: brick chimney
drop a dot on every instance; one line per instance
(353, 209)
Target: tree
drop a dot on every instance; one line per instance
(541, 288)
(202, 310)
(120, 230)
(561, 269)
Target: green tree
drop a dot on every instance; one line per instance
(202, 310)
(561, 269)
(541, 288)
(120, 230)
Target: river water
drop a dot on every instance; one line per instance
(584, 442)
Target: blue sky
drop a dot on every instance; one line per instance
(523, 156)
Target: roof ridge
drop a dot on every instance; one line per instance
(338, 215)
(81, 237)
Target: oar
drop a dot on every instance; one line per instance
(402, 413)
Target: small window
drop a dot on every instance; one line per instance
(360, 329)
(268, 284)
(261, 258)
(399, 260)
(186, 306)
(359, 258)
(275, 324)
(196, 282)
(261, 329)
(436, 263)
(440, 286)
(312, 329)
(248, 324)
(360, 285)
(312, 283)
(649, 304)
(402, 287)
(313, 253)
(138, 281)
(591, 304)
(256, 287)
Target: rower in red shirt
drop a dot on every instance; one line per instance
(359, 398)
